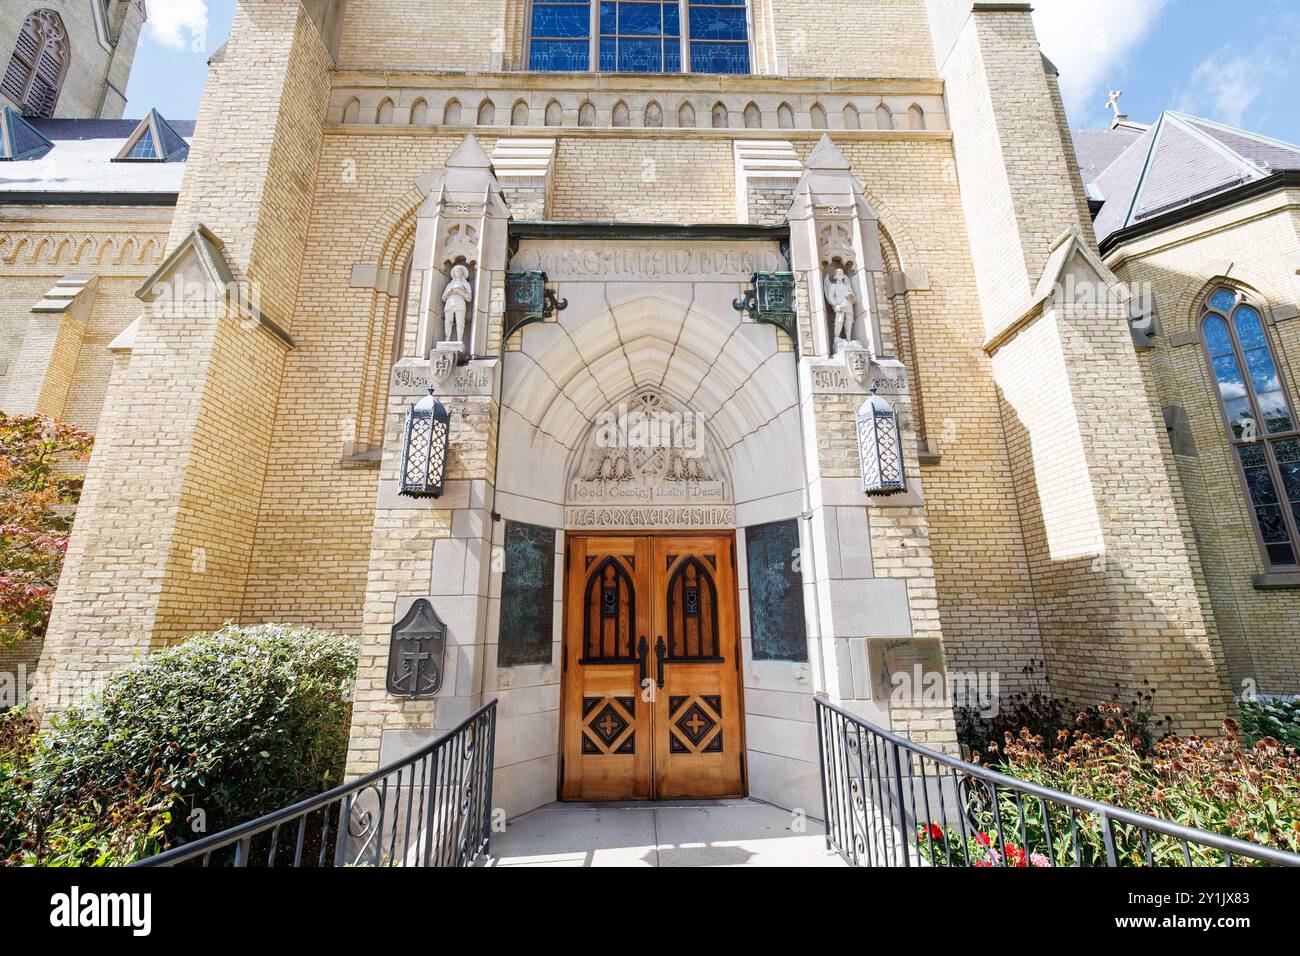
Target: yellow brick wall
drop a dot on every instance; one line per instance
(1259, 240)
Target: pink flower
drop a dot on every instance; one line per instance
(1038, 859)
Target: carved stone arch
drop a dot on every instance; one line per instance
(452, 113)
(151, 252)
(620, 116)
(487, 112)
(653, 115)
(686, 116)
(884, 117)
(817, 116)
(420, 112)
(719, 116)
(587, 114)
(1186, 316)
(554, 113)
(519, 113)
(352, 111)
(901, 319)
(915, 117)
(852, 118)
(104, 252)
(384, 112)
(785, 116)
(753, 116)
(85, 247)
(39, 247)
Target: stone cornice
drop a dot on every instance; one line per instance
(628, 82)
(637, 132)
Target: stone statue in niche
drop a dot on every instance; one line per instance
(841, 298)
(456, 299)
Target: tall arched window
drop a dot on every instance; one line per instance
(1260, 417)
(34, 76)
(660, 36)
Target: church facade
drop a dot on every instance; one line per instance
(648, 367)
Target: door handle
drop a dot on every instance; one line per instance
(643, 653)
(661, 652)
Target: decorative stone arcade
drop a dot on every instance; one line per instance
(649, 326)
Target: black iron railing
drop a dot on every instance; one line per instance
(433, 808)
(890, 802)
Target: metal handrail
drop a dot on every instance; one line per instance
(869, 811)
(453, 775)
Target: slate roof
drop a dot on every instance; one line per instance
(1179, 160)
(82, 162)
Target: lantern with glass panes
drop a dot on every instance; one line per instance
(424, 449)
(880, 447)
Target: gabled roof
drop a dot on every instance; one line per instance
(19, 140)
(1178, 161)
(154, 140)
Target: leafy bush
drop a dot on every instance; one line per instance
(1275, 718)
(97, 829)
(236, 724)
(1220, 785)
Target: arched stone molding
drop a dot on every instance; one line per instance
(603, 349)
(1186, 312)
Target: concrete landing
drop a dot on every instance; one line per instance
(685, 833)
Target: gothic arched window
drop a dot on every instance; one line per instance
(661, 36)
(34, 76)
(1260, 417)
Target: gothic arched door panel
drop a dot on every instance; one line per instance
(697, 713)
(606, 743)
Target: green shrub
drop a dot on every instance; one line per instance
(236, 724)
(95, 829)
(1276, 718)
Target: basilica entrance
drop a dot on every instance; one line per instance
(652, 687)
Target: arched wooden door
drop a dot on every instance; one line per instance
(652, 704)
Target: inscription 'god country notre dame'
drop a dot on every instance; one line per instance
(688, 260)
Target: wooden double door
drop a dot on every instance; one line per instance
(652, 689)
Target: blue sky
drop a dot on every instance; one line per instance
(1228, 62)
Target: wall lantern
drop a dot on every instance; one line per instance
(770, 299)
(415, 652)
(424, 450)
(880, 446)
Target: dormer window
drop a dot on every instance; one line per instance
(154, 141)
(669, 36)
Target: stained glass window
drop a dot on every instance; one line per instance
(561, 36)
(1259, 417)
(640, 36)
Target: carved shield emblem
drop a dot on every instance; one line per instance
(443, 364)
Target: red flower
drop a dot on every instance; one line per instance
(984, 839)
(933, 830)
(1016, 856)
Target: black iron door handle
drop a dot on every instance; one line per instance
(643, 653)
(661, 652)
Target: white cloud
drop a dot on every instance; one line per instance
(1089, 40)
(179, 24)
(1224, 86)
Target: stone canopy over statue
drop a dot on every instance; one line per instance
(842, 301)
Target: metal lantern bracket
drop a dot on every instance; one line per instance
(416, 651)
(528, 300)
(425, 448)
(769, 298)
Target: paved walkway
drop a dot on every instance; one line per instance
(686, 833)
